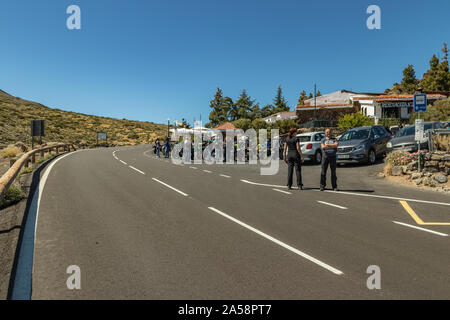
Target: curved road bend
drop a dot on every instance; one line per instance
(144, 228)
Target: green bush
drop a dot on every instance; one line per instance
(440, 111)
(12, 196)
(354, 120)
(284, 125)
(387, 122)
(243, 124)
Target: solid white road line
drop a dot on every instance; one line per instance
(123, 162)
(225, 176)
(354, 194)
(23, 277)
(333, 205)
(207, 171)
(285, 192)
(174, 189)
(422, 229)
(282, 244)
(137, 170)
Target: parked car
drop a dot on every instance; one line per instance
(310, 144)
(363, 144)
(405, 139)
(394, 129)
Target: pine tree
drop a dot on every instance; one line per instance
(220, 109)
(302, 98)
(409, 81)
(428, 82)
(280, 102)
(244, 106)
(266, 111)
(437, 78)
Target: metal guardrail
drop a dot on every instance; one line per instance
(8, 178)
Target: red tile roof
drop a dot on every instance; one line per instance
(323, 105)
(226, 126)
(394, 97)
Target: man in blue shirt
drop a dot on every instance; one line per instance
(329, 150)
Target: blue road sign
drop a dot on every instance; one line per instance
(420, 102)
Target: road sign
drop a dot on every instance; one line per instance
(101, 136)
(419, 127)
(420, 102)
(37, 128)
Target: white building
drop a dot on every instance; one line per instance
(281, 116)
(391, 106)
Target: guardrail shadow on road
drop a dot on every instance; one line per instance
(343, 190)
(20, 283)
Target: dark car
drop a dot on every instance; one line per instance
(363, 144)
(405, 139)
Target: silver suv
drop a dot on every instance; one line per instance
(363, 144)
(310, 144)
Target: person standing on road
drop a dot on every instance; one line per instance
(293, 159)
(157, 148)
(167, 148)
(329, 146)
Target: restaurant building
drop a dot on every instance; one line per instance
(329, 107)
(390, 106)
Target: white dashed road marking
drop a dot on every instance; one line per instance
(225, 176)
(282, 191)
(278, 242)
(170, 187)
(137, 170)
(333, 205)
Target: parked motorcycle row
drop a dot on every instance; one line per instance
(358, 145)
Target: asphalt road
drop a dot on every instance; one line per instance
(143, 228)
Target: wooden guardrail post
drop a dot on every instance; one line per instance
(24, 161)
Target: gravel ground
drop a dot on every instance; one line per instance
(10, 225)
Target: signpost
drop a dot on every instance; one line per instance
(419, 105)
(37, 130)
(102, 136)
(419, 126)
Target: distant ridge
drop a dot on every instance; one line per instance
(67, 126)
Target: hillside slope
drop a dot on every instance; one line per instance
(65, 126)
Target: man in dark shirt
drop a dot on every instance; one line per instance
(329, 149)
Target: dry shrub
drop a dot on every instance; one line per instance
(387, 169)
(442, 142)
(10, 152)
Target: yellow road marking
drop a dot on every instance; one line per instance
(417, 218)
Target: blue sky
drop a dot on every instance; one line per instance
(153, 60)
